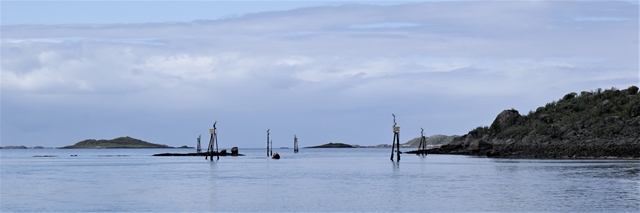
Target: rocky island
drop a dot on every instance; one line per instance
(596, 124)
(116, 143)
(332, 145)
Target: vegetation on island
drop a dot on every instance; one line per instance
(121, 142)
(591, 124)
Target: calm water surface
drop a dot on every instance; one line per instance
(318, 180)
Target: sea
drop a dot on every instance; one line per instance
(313, 180)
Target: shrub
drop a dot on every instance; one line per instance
(633, 90)
(480, 131)
(569, 96)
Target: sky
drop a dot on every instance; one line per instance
(326, 71)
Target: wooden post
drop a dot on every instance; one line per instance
(215, 138)
(295, 144)
(212, 140)
(268, 143)
(396, 139)
(198, 149)
(398, 152)
(423, 142)
(422, 147)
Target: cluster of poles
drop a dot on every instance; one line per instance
(395, 145)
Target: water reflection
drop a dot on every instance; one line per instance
(583, 184)
(396, 166)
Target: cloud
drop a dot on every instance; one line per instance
(447, 66)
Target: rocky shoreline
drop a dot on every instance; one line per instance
(581, 150)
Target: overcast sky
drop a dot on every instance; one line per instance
(326, 71)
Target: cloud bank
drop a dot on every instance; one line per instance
(326, 74)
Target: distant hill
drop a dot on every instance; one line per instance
(431, 140)
(14, 147)
(121, 142)
(332, 145)
(596, 124)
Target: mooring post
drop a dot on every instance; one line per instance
(268, 143)
(396, 139)
(271, 149)
(423, 142)
(422, 147)
(215, 138)
(212, 140)
(398, 152)
(198, 149)
(295, 144)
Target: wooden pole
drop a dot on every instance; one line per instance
(398, 143)
(295, 144)
(396, 139)
(198, 149)
(215, 138)
(423, 142)
(393, 146)
(210, 147)
(268, 142)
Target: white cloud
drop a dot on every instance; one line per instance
(357, 61)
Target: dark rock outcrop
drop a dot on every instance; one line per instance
(234, 150)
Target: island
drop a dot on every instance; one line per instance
(116, 143)
(332, 145)
(13, 147)
(595, 124)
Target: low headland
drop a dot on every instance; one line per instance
(116, 143)
(332, 145)
(595, 124)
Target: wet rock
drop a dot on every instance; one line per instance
(234, 150)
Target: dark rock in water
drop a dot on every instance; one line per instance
(234, 150)
(275, 156)
(417, 152)
(223, 152)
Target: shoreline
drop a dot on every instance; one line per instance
(577, 150)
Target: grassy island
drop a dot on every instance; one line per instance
(121, 142)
